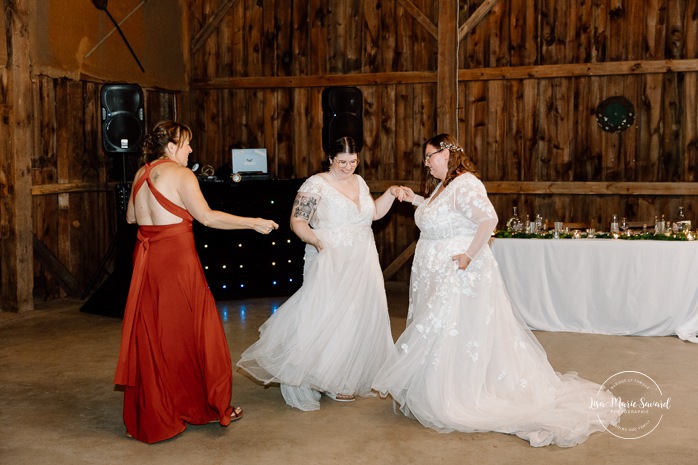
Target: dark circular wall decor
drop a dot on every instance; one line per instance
(615, 114)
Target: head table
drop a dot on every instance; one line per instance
(605, 286)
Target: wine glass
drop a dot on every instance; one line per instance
(624, 226)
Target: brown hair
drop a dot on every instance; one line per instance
(345, 144)
(154, 144)
(459, 161)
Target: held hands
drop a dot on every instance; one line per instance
(402, 193)
(462, 259)
(263, 226)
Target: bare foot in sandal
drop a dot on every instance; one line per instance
(234, 416)
(341, 397)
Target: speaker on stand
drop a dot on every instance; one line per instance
(342, 115)
(123, 126)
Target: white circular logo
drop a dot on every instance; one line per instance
(640, 399)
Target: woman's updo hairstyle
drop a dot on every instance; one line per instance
(154, 144)
(459, 161)
(345, 144)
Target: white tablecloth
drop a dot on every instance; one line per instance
(623, 287)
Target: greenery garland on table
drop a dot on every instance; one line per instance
(583, 235)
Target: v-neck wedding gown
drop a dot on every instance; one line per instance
(466, 361)
(333, 334)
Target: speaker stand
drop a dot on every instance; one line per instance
(110, 298)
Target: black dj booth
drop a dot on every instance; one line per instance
(237, 263)
(243, 263)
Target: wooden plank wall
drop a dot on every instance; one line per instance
(529, 82)
(520, 127)
(74, 202)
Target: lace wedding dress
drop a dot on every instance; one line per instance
(466, 361)
(333, 334)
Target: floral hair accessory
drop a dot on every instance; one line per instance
(451, 147)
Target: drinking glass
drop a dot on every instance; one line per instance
(624, 226)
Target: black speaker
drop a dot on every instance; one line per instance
(122, 118)
(342, 115)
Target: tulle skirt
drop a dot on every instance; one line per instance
(333, 334)
(466, 361)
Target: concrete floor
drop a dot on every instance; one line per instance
(58, 405)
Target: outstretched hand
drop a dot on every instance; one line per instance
(265, 226)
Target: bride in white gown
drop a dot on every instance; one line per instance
(333, 334)
(466, 361)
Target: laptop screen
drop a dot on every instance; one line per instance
(250, 161)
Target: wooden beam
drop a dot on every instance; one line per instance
(592, 188)
(400, 260)
(359, 79)
(70, 187)
(480, 74)
(475, 18)
(17, 147)
(211, 25)
(447, 72)
(580, 69)
(564, 188)
(419, 16)
(54, 266)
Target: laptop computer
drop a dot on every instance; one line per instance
(249, 161)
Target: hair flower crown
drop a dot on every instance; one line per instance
(451, 147)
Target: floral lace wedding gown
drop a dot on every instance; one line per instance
(467, 362)
(333, 334)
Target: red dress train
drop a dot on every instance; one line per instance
(174, 361)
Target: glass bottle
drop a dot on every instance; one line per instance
(663, 227)
(615, 228)
(514, 223)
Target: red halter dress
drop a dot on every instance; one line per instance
(174, 361)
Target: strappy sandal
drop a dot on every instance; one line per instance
(341, 397)
(235, 416)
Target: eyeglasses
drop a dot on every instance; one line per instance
(343, 163)
(429, 155)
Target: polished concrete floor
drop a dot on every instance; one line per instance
(58, 404)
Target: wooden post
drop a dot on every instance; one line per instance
(447, 74)
(16, 146)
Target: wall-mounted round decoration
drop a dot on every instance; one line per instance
(615, 114)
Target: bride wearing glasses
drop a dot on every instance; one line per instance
(333, 334)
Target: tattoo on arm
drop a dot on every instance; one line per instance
(304, 206)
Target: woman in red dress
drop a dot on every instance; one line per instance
(174, 362)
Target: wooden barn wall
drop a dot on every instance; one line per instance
(528, 129)
(74, 203)
(540, 129)
(537, 129)
(545, 129)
